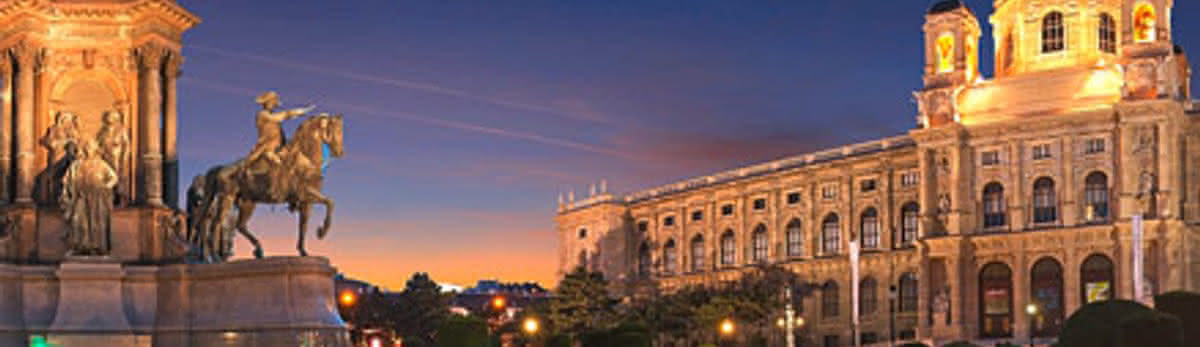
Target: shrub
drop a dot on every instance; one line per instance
(1186, 307)
(1150, 329)
(558, 341)
(914, 344)
(458, 331)
(1096, 324)
(960, 344)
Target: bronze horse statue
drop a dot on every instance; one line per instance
(242, 185)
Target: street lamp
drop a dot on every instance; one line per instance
(498, 303)
(530, 326)
(1032, 310)
(891, 315)
(727, 328)
(348, 298)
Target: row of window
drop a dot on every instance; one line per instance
(1040, 152)
(828, 192)
(868, 296)
(830, 238)
(1045, 201)
(1054, 33)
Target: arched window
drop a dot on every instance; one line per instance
(831, 232)
(1053, 33)
(759, 240)
(908, 292)
(1096, 273)
(728, 248)
(1046, 290)
(795, 239)
(993, 206)
(909, 224)
(829, 299)
(995, 294)
(867, 296)
(670, 257)
(945, 53)
(644, 261)
(698, 262)
(1096, 196)
(1145, 22)
(1108, 34)
(869, 227)
(1045, 204)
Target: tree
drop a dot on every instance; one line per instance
(1185, 306)
(1097, 324)
(420, 309)
(581, 304)
(461, 331)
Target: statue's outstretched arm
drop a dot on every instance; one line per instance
(296, 112)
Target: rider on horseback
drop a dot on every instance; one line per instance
(270, 129)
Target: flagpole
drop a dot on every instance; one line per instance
(854, 293)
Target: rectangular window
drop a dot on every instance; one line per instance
(669, 221)
(867, 186)
(1093, 146)
(727, 210)
(793, 198)
(990, 158)
(1041, 152)
(697, 215)
(760, 204)
(909, 179)
(829, 192)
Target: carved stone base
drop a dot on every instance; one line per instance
(94, 301)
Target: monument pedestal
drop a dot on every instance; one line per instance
(90, 308)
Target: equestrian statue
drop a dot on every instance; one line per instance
(277, 171)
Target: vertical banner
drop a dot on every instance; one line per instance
(1137, 259)
(854, 291)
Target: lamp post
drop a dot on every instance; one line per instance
(726, 328)
(1032, 310)
(891, 315)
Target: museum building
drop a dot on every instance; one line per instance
(1009, 192)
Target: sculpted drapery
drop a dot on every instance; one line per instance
(87, 201)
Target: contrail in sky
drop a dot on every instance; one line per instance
(451, 124)
(420, 86)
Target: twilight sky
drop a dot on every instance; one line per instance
(465, 119)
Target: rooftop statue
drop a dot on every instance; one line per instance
(275, 172)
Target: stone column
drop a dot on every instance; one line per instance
(170, 131)
(5, 126)
(26, 57)
(150, 59)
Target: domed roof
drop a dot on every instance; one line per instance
(943, 6)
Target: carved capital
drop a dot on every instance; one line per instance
(27, 54)
(150, 56)
(174, 65)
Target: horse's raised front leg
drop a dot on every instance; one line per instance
(245, 210)
(303, 210)
(215, 229)
(315, 195)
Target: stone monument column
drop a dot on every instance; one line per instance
(170, 126)
(150, 60)
(5, 125)
(26, 57)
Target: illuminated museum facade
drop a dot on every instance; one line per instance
(1010, 191)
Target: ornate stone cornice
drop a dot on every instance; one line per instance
(166, 9)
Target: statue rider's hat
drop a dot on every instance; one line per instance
(266, 97)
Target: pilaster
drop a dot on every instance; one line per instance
(6, 129)
(26, 56)
(170, 129)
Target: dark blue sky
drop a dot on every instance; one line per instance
(465, 119)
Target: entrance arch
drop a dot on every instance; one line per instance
(1046, 292)
(996, 301)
